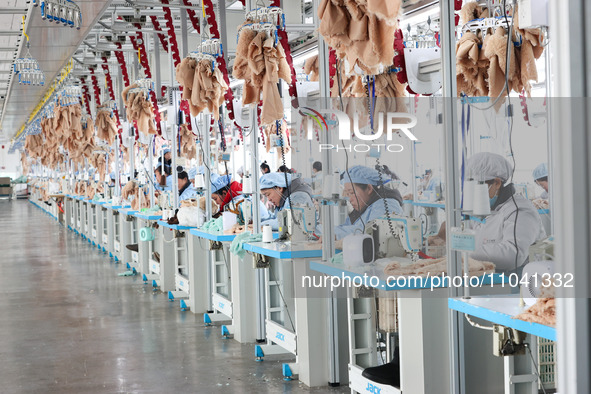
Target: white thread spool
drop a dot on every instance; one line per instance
(481, 205)
(199, 181)
(267, 234)
(247, 185)
(229, 220)
(469, 195)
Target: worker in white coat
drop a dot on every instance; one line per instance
(362, 186)
(513, 224)
(283, 190)
(540, 175)
(186, 189)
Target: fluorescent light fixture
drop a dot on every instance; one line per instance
(235, 83)
(419, 17)
(301, 58)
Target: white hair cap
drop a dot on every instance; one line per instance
(486, 166)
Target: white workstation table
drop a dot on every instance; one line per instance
(293, 325)
(500, 309)
(170, 237)
(128, 234)
(146, 248)
(113, 236)
(422, 317)
(211, 276)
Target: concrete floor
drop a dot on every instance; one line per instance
(69, 324)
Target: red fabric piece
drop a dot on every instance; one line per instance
(284, 40)
(121, 59)
(146, 65)
(95, 87)
(161, 36)
(111, 91)
(458, 5)
(235, 189)
(86, 95)
(174, 48)
(221, 61)
(332, 66)
(192, 16)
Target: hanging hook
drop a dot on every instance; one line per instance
(24, 32)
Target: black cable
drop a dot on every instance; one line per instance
(536, 369)
(282, 298)
(378, 328)
(339, 83)
(507, 62)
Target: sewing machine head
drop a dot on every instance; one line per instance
(297, 223)
(406, 239)
(245, 212)
(165, 200)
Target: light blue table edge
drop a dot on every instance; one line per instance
(212, 237)
(174, 226)
(287, 254)
(147, 217)
(127, 212)
(426, 281)
(501, 318)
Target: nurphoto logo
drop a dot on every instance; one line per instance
(388, 123)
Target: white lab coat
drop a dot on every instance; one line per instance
(377, 210)
(263, 211)
(188, 193)
(297, 198)
(495, 241)
(168, 186)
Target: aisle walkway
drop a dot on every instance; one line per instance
(69, 324)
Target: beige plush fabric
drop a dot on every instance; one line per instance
(361, 31)
(435, 267)
(481, 63)
(203, 85)
(261, 63)
(139, 108)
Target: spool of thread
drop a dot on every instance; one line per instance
(247, 185)
(229, 220)
(469, 195)
(481, 205)
(199, 181)
(267, 234)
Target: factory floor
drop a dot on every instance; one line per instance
(70, 324)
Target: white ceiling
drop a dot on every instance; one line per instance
(51, 44)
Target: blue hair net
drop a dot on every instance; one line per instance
(541, 171)
(274, 179)
(219, 182)
(362, 175)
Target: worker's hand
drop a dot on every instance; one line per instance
(409, 196)
(435, 240)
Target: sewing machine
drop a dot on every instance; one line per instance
(407, 237)
(296, 223)
(246, 212)
(165, 200)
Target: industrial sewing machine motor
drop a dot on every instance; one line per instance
(297, 223)
(396, 237)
